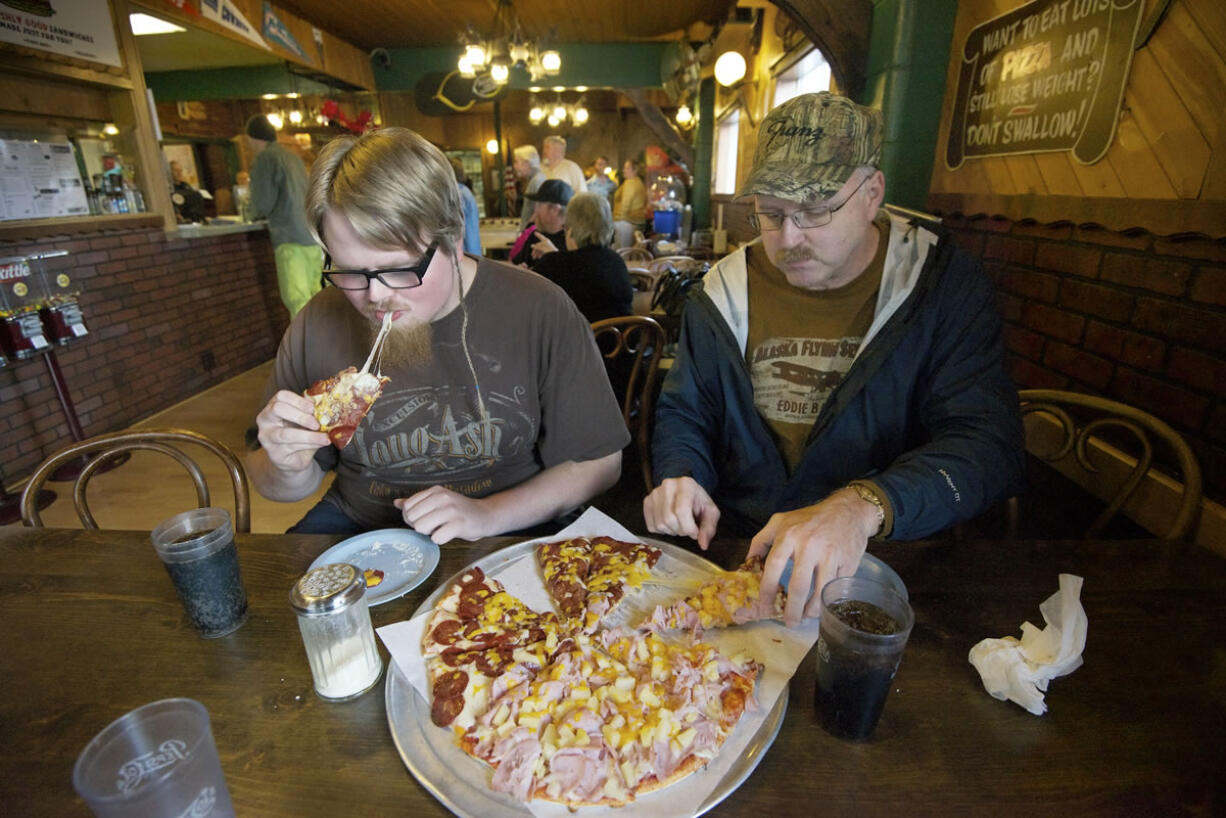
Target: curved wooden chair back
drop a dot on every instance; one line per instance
(165, 441)
(639, 341)
(641, 280)
(679, 263)
(1095, 414)
(635, 254)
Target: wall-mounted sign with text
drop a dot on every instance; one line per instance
(1047, 76)
(74, 28)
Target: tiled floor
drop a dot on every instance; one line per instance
(151, 487)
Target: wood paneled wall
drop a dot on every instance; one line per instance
(1166, 169)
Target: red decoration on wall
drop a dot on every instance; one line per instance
(332, 110)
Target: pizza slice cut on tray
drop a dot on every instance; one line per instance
(587, 577)
(732, 598)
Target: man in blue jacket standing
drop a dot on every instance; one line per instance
(840, 378)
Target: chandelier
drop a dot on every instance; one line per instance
(558, 111)
(505, 48)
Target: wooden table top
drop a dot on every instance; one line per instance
(92, 629)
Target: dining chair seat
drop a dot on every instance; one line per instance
(98, 450)
(634, 344)
(1086, 426)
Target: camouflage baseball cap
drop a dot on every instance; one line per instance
(810, 145)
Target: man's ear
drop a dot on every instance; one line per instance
(876, 188)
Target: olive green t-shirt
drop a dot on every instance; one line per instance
(802, 342)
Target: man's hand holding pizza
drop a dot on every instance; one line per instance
(285, 467)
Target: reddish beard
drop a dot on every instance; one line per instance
(408, 343)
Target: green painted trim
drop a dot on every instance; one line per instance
(704, 146)
(634, 65)
(247, 82)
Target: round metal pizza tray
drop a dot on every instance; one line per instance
(461, 783)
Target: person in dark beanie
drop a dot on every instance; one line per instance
(278, 191)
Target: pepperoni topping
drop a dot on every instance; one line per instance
(444, 711)
(446, 632)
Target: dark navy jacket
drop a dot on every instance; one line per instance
(927, 411)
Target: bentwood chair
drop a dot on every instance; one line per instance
(633, 345)
(102, 448)
(1109, 446)
(636, 253)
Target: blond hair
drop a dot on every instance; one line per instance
(394, 187)
(527, 153)
(589, 220)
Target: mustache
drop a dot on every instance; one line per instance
(791, 255)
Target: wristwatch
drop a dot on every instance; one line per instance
(867, 493)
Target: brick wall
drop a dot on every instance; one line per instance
(167, 318)
(1130, 316)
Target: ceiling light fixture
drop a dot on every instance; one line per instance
(729, 68)
(504, 48)
(145, 24)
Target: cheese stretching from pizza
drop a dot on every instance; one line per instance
(343, 400)
(576, 718)
(733, 598)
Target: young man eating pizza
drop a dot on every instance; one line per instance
(497, 414)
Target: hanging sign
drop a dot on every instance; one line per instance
(74, 28)
(1047, 76)
(276, 31)
(227, 14)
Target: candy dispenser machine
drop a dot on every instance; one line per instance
(59, 307)
(21, 331)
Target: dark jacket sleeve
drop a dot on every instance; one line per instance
(968, 410)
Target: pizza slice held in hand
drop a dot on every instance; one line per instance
(732, 598)
(343, 400)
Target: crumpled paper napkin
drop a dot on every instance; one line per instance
(1020, 670)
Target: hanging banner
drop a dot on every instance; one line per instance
(74, 28)
(225, 13)
(1047, 76)
(276, 31)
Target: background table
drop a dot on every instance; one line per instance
(92, 629)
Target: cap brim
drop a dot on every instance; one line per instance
(797, 183)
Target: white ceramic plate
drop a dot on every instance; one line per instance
(405, 557)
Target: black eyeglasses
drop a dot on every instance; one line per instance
(396, 278)
(805, 219)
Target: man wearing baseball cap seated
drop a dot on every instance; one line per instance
(838, 379)
(547, 230)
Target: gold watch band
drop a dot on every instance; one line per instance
(866, 493)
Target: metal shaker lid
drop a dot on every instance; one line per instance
(327, 589)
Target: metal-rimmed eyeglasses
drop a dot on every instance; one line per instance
(805, 218)
(396, 278)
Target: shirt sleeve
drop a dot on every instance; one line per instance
(580, 416)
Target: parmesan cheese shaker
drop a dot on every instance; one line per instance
(330, 602)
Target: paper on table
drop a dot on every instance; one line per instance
(779, 649)
(1020, 670)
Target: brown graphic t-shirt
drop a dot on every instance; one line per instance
(802, 342)
(541, 378)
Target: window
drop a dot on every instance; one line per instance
(726, 136)
(808, 75)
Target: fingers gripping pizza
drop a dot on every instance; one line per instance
(733, 598)
(564, 711)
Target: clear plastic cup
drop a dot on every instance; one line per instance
(197, 548)
(159, 759)
(863, 629)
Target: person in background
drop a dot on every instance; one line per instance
(841, 378)
(592, 275)
(468, 202)
(629, 206)
(188, 202)
(242, 194)
(278, 191)
(600, 181)
(557, 166)
(526, 163)
(498, 415)
(546, 232)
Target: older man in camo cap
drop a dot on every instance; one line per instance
(839, 378)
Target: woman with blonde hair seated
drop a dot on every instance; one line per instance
(593, 275)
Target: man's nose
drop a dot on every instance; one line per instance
(789, 234)
(378, 291)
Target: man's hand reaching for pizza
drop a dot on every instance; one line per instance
(824, 541)
(444, 515)
(681, 507)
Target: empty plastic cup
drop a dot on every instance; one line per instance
(197, 548)
(159, 759)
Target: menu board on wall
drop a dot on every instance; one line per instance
(1047, 76)
(39, 180)
(74, 28)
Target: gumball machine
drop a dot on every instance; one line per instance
(21, 331)
(59, 309)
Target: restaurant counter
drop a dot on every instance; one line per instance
(92, 629)
(215, 227)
